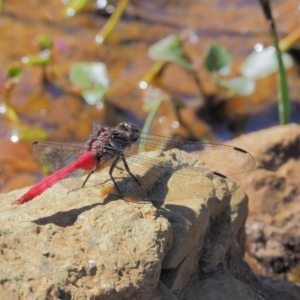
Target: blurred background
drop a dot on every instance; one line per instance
(187, 69)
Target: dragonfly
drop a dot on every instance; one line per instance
(138, 166)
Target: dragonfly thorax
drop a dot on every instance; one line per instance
(107, 142)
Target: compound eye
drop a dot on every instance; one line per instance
(123, 126)
(135, 133)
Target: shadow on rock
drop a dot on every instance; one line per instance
(65, 218)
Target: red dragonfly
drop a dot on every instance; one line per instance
(134, 169)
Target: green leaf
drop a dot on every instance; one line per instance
(170, 49)
(45, 42)
(94, 96)
(85, 75)
(14, 73)
(217, 58)
(240, 85)
(261, 64)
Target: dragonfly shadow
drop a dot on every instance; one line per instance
(65, 218)
(171, 211)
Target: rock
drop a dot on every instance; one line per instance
(63, 246)
(239, 213)
(273, 225)
(72, 246)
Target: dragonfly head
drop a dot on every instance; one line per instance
(132, 130)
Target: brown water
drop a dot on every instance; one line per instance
(60, 111)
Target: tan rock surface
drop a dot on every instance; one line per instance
(62, 246)
(69, 246)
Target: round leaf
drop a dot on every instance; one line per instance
(261, 64)
(241, 85)
(170, 49)
(94, 96)
(217, 58)
(85, 75)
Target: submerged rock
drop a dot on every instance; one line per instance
(273, 225)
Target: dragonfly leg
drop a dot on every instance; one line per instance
(87, 178)
(128, 170)
(113, 165)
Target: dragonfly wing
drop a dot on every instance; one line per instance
(56, 156)
(224, 158)
(159, 179)
(166, 178)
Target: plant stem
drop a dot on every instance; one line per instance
(177, 103)
(154, 108)
(151, 115)
(283, 91)
(290, 40)
(113, 21)
(197, 80)
(10, 112)
(75, 6)
(154, 72)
